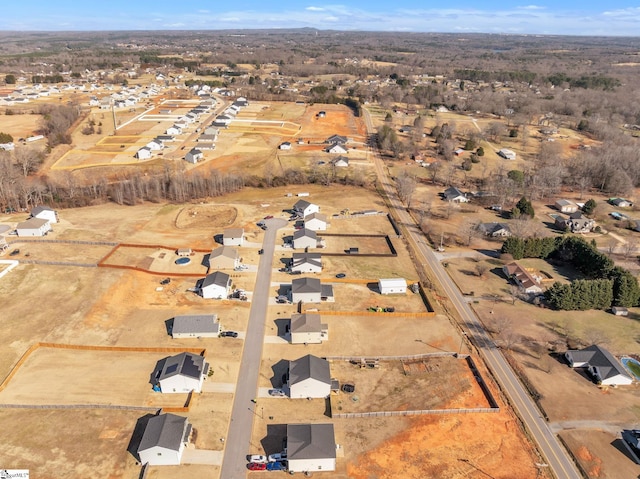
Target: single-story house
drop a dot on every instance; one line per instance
(45, 213)
(215, 285)
(233, 237)
(620, 311)
(303, 208)
(309, 377)
(306, 263)
(392, 286)
(195, 326)
(311, 447)
(285, 146)
(507, 154)
(164, 440)
(143, 153)
(454, 195)
(181, 373)
(337, 148)
(341, 162)
(494, 229)
(305, 238)
(155, 145)
(575, 223)
(310, 290)
(307, 328)
(601, 364)
(525, 281)
(315, 222)
(33, 227)
(566, 206)
(224, 257)
(193, 156)
(620, 202)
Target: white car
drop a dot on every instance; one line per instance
(258, 458)
(277, 393)
(277, 457)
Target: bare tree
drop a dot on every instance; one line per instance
(468, 230)
(481, 269)
(406, 186)
(28, 160)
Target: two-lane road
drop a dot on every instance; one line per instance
(554, 453)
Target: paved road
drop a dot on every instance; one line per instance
(234, 463)
(556, 456)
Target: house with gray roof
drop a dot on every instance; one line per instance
(306, 263)
(304, 208)
(233, 237)
(307, 328)
(195, 326)
(494, 230)
(181, 373)
(33, 227)
(193, 156)
(45, 213)
(575, 223)
(311, 448)
(454, 195)
(310, 290)
(309, 377)
(164, 440)
(601, 364)
(224, 257)
(316, 222)
(214, 286)
(306, 238)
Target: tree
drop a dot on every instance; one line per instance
(523, 207)
(5, 138)
(517, 177)
(480, 151)
(10, 79)
(406, 185)
(589, 207)
(28, 160)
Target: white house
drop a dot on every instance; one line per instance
(601, 364)
(522, 278)
(303, 208)
(454, 195)
(337, 148)
(285, 146)
(215, 286)
(195, 326)
(309, 377)
(193, 156)
(174, 130)
(310, 290)
(392, 286)
(341, 162)
(315, 222)
(233, 237)
(143, 153)
(224, 257)
(181, 373)
(305, 238)
(311, 448)
(306, 263)
(307, 328)
(507, 154)
(33, 227)
(154, 145)
(164, 440)
(45, 213)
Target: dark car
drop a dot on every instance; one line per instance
(228, 334)
(14, 252)
(165, 281)
(256, 466)
(341, 275)
(275, 466)
(260, 251)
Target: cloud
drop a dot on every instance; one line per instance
(204, 11)
(531, 7)
(315, 9)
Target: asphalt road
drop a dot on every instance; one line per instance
(556, 456)
(238, 441)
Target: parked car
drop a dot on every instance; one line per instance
(275, 466)
(282, 299)
(257, 459)
(14, 252)
(260, 251)
(277, 457)
(165, 281)
(257, 466)
(228, 334)
(277, 393)
(341, 275)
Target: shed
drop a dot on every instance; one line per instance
(620, 311)
(311, 447)
(392, 286)
(566, 206)
(507, 154)
(309, 377)
(164, 440)
(183, 252)
(195, 326)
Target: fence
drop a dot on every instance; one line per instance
(94, 243)
(418, 412)
(391, 358)
(78, 406)
(59, 263)
(423, 314)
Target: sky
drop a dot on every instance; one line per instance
(572, 17)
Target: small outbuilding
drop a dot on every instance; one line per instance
(309, 377)
(507, 154)
(392, 286)
(311, 448)
(45, 213)
(164, 440)
(33, 227)
(566, 206)
(285, 146)
(195, 326)
(620, 311)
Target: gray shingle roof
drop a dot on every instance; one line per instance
(307, 258)
(306, 285)
(305, 233)
(596, 356)
(310, 441)
(305, 323)
(309, 367)
(218, 278)
(166, 430)
(195, 324)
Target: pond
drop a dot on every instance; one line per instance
(632, 366)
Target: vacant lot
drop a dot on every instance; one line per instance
(20, 126)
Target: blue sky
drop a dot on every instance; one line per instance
(572, 17)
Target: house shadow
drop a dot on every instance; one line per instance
(286, 262)
(327, 406)
(155, 374)
(205, 261)
(168, 324)
(498, 272)
(621, 446)
(136, 437)
(275, 440)
(218, 238)
(373, 287)
(490, 253)
(284, 290)
(282, 328)
(287, 239)
(280, 370)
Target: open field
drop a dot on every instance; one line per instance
(20, 126)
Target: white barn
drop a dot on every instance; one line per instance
(392, 286)
(33, 227)
(309, 377)
(181, 373)
(164, 440)
(45, 213)
(215, 285)
(311, 448)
